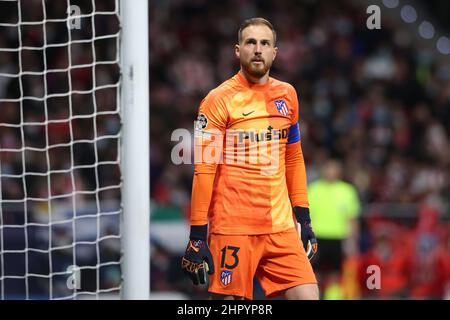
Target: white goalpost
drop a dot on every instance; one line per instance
(74, 149)
(136, 144)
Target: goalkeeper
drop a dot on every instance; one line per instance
(252, 212)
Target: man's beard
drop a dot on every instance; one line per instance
(256, 70)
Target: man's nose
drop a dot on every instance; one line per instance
(258, 49)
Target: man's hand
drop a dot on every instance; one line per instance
(306, 233)
(197, 260)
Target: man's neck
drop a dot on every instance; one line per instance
(253, 80)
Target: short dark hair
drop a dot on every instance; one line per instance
(254, 22)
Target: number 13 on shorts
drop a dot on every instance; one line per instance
(277, 260)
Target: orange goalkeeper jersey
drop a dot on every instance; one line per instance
(249, 169)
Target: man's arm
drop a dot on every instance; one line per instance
(297, 188)
(351, 245)
(208, 136)
(197, 260)
(296, 174)
(296, 180)
(202, 188)
(295, 164)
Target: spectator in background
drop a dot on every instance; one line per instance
(427, 278)
(390, 254)
(335, 207)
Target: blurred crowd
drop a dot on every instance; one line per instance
(377, 100)
(59, 129)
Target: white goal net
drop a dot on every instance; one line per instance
(60, 126)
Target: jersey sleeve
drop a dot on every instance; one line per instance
(212, 114)
(296, 178)
(208, 140)
(294, 102)
(294, 130)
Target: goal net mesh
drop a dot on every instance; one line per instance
(60, 180)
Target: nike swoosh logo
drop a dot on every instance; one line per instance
(194, 248)
(247, 114)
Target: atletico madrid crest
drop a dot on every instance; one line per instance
(226, 277)
(282, 107)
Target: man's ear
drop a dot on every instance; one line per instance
(275, 50)
(237, 51)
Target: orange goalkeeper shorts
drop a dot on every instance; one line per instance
(277, 260)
